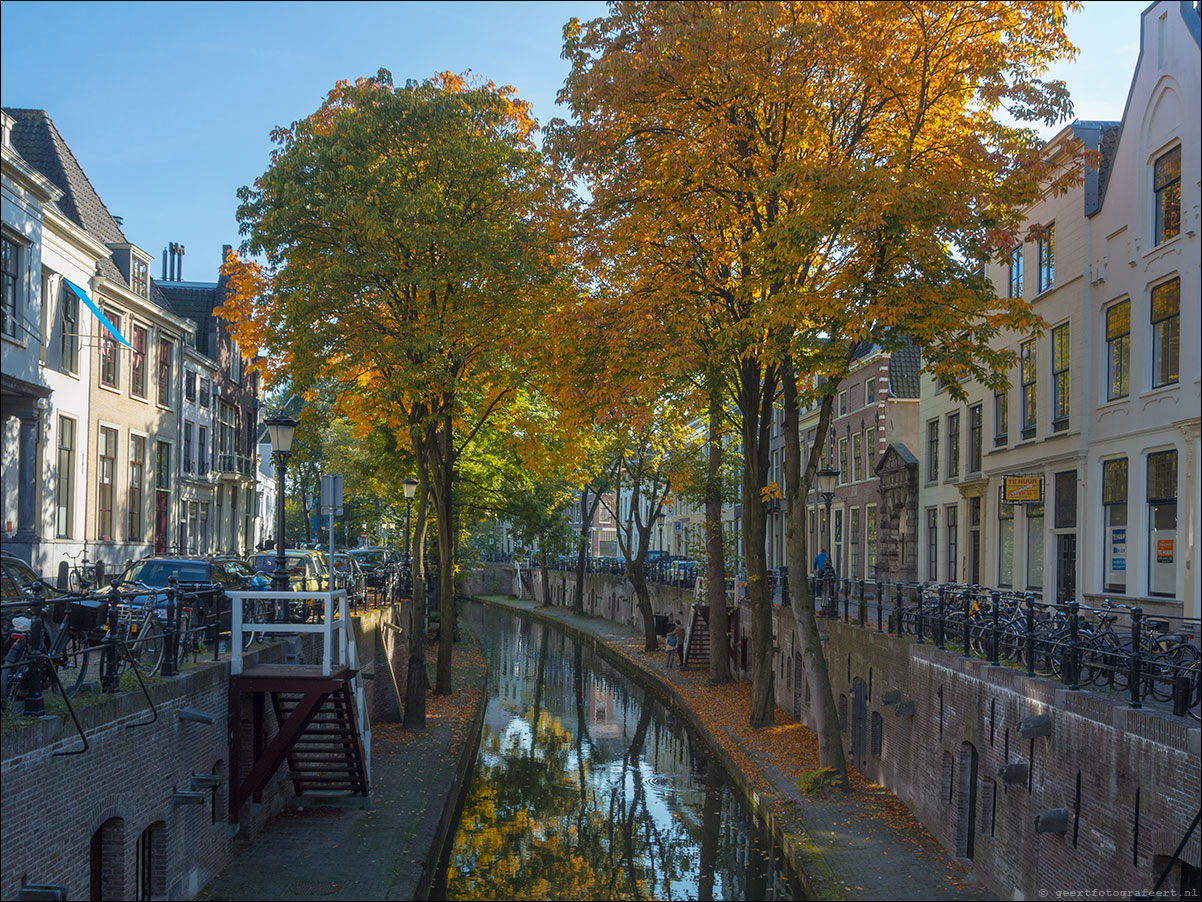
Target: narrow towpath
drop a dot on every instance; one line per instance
(863, 844)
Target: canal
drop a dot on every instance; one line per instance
(586, 787)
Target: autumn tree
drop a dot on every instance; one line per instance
(411, 245)
(821, 176)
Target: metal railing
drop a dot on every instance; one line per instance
(326, 626)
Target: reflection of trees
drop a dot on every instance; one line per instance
(576, 815)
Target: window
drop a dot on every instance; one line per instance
(187, 447)
(1001, 418)
(1016, 272)
(1027, 372)
(202, 529)
(1047, 258)
(1005, 544)
(1034, 546)
(68, 315)
(11, 266)
(236, 371)
(137, 362)
(853, 539)
(1061, 354)
(953, 539)
(202, 458)
(204, 393)
(933, 544)
(1066, 500)
(105, 479)
(932, 450)
(139, 277)
(976, 418)
(870, 392)
(1118, 350)
(64, 485)
(857, 454)
(165, 354)
(162, 466)
(189, 385)
(844, 466)
(870, 448)
(953, 444)
(110, 363)
(1166, 182)
(1162, 523)
(1114, 517)
(870, 539)
(137, 476)
(842, 403)
(838, 549)
(1166, 332)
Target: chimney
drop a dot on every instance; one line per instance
(164, 264)
(171, 247)
(179, 266)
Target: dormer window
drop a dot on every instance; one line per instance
(139, 277)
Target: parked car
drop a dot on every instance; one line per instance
(376, 562)
(203, 579)
(349, 575)
(308, 571)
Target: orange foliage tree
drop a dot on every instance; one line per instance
(411, 239)
(813, 177)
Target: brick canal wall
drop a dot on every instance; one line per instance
(84, 821)
(937, 729)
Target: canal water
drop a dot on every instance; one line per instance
(587, 788)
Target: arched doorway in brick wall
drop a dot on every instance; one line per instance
(108, 861)
(966, 802)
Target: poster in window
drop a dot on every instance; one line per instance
(1164, 551)
(1022, 489)
(1118, 549)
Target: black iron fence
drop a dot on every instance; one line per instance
(1116, 648)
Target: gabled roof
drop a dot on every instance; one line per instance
(37, 140)
(904, 365)
(904, 453)
(195, 302)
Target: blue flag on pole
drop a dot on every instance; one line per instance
(104, 320)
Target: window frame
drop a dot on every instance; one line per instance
(139, 339)
(106, 482)
(1167, 325)
(68, 335)
(1029, 380)
(12, 284)
(933, 450)
(165, 359)
(1047, 258)
(976, 435)
(1062, 356)
(1111, 502)
(137, 475)
(110, 353)
(1166, 195)
(933, 544)
(64, 479)
(1001, 419)
(953, 444)
(1118, 346)
(1015, 275)
(951, 517)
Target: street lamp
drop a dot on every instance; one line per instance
(410, 487)
(281, 430)
(828, 479)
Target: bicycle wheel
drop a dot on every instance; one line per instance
(12, 676)
(251, 614)
(147, 646)
(72, 662)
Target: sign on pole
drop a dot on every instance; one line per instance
(331, 495)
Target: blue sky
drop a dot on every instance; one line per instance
(168, 106)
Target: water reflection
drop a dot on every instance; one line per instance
(584, 790)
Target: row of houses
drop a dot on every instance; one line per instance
(1082, 481)
(130, 417)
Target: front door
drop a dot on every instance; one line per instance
(1066, 567)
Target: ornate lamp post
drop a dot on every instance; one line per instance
(828, 479)
(281, 430)
(410, 487)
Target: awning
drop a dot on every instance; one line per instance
(104, 320)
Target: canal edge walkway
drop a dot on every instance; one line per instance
(392, 848)
(839, 846)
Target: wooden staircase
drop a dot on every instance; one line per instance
(318, 733)
(697, 637)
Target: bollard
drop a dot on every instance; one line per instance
(942, 611)
(1030, 599)
(109, 681)
(1074, 645)
(35, 672)
(171, 658)
(967, 622)
(995, 601)
(1181, 694)
(880, 603)
(897, 607)
(863, 605)
(1135, 670)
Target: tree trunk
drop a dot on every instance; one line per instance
(756, 390)
(719, 624)
(547, 600)
(418, 680)
(442, 480)
(798, 482)
(585, 518)
(638, 580)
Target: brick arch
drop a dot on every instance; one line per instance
(107, 860)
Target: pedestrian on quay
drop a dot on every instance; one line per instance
(673, 642)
